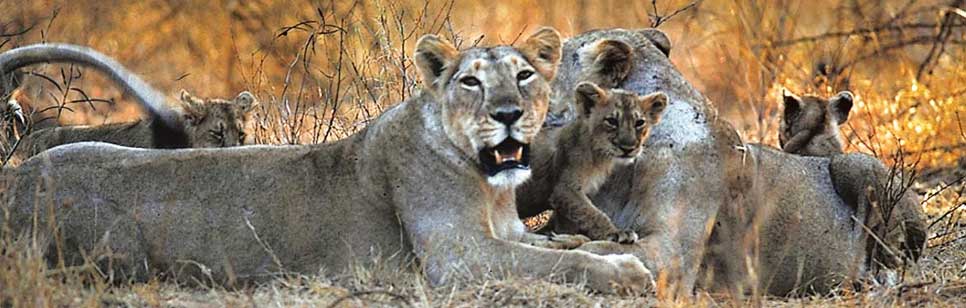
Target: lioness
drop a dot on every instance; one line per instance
(809, 125)
(689, 168)
(422, 180)
(700, 198)
(207, 122)
(573, 161)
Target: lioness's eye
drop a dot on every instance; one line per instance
(470, 81)
(611, 121)
(639, 123)
(524, 75)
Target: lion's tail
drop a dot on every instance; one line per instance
(168, 128)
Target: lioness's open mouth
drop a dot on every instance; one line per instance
(509, 154)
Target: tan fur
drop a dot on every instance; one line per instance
(411, 185)
(208, 123)
(809, 125)
(891, 211)
(711, 209)
(213, 122)
(575, 161)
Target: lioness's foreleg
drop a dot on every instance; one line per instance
(455, 242)
(555, 241)
(575, 213)
(492, 258)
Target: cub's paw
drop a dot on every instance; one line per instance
(623, 237)
(621, 274)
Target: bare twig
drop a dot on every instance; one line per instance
(18, 33)
(338, 86)
(887, 28)
(942, 37)
(657, 19)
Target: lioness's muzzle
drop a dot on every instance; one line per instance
(509, 154)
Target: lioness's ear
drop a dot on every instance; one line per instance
(588, 96)
(611, 63)
(793, 105)
(658, 38)
(654, 104)
(245, 100)
(840, 105)
(433, 57)
(542, 49)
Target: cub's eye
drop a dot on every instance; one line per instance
(611, 121)
(524, 75)
(470, 81)
(639, 123)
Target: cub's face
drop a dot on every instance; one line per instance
(618, 121)
(213, 123)
(493, 100)
(809, 124)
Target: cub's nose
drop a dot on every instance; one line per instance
(507, 115)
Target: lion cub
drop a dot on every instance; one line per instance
(207, 123)
(573, 161)
(809, 124)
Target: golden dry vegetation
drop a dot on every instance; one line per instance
(323, 69)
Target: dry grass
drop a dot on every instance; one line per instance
(323, 70)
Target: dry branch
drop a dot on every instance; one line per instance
(657, 19)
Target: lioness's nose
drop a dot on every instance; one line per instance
(507, 115)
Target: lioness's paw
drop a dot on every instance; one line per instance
(622, 274)
(623, 237)
(633, 276)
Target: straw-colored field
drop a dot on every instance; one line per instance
(322, 70)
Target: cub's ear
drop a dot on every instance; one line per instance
(654, 104)
(793, 106)
(588, 96)
(542, 49)
(434, 57)
(840, 105)
(611, 62)
(245, 100)
(194, 109)
(658, 38)
(187, 97)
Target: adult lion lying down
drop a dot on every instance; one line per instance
(432, 178)
(711, 210)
